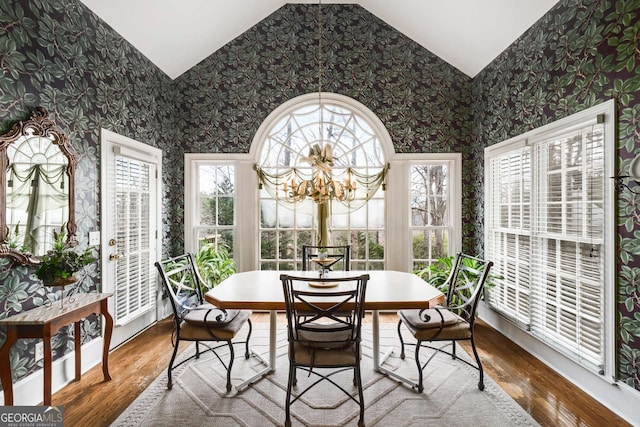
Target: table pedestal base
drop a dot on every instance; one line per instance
(379, 361)
(271, 363)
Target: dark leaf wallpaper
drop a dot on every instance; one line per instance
(57, 54)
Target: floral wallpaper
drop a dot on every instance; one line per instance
(581, 53)
(57, 54)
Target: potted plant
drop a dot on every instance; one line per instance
(214, 264)
(57, 266)
(437, 273)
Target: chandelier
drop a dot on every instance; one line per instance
(322, 186)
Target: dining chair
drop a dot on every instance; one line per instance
(198, 321)
(454, 321)
(339, 257)
(324, 339)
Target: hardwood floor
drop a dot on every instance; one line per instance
(549, 398)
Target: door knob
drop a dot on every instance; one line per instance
(114, 257)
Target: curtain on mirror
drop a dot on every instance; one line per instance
(37, 198)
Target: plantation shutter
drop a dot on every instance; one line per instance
(544, 230)
(508, 229)
(135, 284)
(567, 242)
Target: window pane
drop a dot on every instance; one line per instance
(226, 240)
(208, 235)
(285, 218)
(439, 244)
(375, 207)
(286, 245)
(267, 213)
(340, 220)
(359, 217)
(268, 245)
(225, 211)
(216, 196)
(429, 203)
(376, 245)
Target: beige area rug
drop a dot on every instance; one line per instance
(451, 396)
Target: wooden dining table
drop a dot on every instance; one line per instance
(262, 290)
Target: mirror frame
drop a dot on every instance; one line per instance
(42, 125)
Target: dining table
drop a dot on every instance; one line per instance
(261, 290)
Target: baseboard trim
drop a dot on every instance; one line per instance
(29, 391)
(618, 397)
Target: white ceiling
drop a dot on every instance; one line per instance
(176, 35)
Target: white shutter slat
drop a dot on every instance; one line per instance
(508, 222)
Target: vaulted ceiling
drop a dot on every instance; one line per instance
(176, 35)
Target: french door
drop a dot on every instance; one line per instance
(130, 238)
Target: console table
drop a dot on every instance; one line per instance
(43, 322)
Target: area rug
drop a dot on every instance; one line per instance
(198, 397)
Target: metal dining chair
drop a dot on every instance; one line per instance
(195, 320)
(319, 335)
(452, 322)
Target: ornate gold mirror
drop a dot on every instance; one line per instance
(37, 188)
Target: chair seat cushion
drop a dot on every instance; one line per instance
(455, 327)
(194, 327)
(319, 357)
(429, 318)
(325, 336)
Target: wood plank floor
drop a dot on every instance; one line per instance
(549, 398)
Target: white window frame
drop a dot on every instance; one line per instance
(606, 113)
(399, 246)
(364, 118)
(246, 185)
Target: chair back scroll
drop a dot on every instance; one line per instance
(183, 283)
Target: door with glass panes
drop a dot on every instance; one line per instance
(130, 241)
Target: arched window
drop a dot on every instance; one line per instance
(291, 141)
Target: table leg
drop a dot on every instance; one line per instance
(271, 363)
(108, 331)
(46, 338)
(379, 361)
(273, 330)
(5, 365)
(77, 344)
(376, 340)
